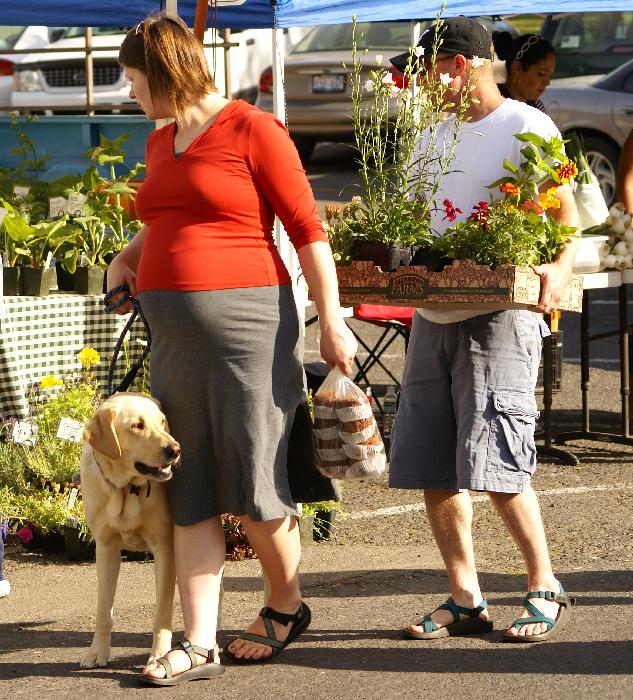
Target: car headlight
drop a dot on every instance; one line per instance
(27, 81)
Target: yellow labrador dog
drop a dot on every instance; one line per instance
(127, 455)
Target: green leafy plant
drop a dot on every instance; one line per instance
(400, 173)
(106, 195)
(515, 228)
(30, 164)
(576, 151)
(41, 510)
(32, 243)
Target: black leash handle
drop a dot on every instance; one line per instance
(136, 312)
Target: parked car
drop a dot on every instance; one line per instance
(17, 38)
(589, 43)
(56, 82)
(601, 109)
(317, 91)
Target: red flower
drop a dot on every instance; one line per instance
(25, 534)
(480, 213)
(451, 211)
(531, 205)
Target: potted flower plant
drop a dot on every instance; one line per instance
(514, 227)
(390, 215)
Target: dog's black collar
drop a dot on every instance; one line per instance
(136, 490)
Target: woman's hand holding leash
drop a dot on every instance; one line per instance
(121, 275)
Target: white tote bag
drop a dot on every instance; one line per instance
(592, 209)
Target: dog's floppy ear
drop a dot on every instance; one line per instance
(101, 435)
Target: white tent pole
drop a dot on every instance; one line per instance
(287, 252)
(171, 7)
(279, 103)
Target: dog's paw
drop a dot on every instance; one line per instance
(96, 658)
(162, 644)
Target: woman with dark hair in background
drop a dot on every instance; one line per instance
(530, 62)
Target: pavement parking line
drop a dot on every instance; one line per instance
(416, 507)
(596, 360)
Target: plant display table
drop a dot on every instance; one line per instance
(42, 335)
(603, 280)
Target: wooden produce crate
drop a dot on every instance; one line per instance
(461, 285)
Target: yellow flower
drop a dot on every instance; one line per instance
(549, 200)
(50, 381)
(88, 357)
(567, 171)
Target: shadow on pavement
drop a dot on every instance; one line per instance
(350, 584)
(403, 656)
(586, 658)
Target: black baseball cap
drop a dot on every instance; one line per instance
(463, 35)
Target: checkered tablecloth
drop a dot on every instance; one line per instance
(42, 335)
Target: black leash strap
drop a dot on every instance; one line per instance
(137, 312)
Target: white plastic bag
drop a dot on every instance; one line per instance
(348, 442)
(592, 209)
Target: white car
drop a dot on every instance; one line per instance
(600, 109)
(56, 82)
(18, 38)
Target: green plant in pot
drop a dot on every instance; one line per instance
(116, 193)
(11, 271)
(87, 260)
(35, 244)
(390, 215)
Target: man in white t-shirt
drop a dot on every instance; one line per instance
(467, 409)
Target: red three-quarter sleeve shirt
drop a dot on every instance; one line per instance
(209, 212)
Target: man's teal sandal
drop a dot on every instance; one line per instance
(553, 626)
(458, 628)
(300, 621)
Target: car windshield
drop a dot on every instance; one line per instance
(72, 32)
(9, 36)
(369, 35)
(590, 42)
(376, 35)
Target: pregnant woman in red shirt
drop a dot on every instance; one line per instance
(225, 331)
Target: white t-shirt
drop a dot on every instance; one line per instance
(477, 162)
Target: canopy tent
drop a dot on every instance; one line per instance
(280, 13)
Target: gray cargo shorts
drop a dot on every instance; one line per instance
(467, 410)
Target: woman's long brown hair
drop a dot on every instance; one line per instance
(173, 59)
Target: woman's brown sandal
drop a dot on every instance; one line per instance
(198, 671)
(301, 619)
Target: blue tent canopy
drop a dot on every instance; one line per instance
(279, 13)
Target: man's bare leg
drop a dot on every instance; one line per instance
(451, 515)
(522, 516)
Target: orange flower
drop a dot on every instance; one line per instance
(509, 188)
(567, 171)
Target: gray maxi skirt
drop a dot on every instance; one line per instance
(225, 366)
